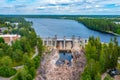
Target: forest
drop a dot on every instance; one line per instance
(100, 57)
(20, 53)
(106, 25)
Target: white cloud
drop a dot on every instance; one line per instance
(60, 6)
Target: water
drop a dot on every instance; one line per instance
(61, 27)
(63, 57)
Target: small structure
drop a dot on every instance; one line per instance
(2, 29)
(7, 22)
(15, 24)
(9, 38)
(117, 22)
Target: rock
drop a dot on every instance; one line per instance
(66, 62)
(64, 72)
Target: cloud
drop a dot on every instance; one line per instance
(20, 6)
(60, 6)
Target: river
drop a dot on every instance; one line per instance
(61, 27)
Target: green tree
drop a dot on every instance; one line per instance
(1, 40)
(17, 45)
(21, 75)
(17, 55)
(6, 61)
(6, 71)
(6, 32)
(37, 61)
(98, 76)
(108, 78)
(103, 61)
(40, 46)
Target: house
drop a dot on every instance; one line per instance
(2, 29)
(9, 38)
(7, 22)
(15, 24)
(117, 22)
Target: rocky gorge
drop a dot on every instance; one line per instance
(50, 71)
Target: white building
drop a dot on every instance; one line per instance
(9, 38)
(15, 24)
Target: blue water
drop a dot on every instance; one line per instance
(63, 57)
(61, 27)
(67, 56)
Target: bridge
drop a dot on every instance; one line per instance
(64, 43)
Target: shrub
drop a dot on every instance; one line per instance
(6, 71)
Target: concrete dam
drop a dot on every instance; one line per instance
(64, 43)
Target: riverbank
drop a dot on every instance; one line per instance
(106, 32)
(109, 32)
(102, 25)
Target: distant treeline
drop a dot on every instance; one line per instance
(62, 16)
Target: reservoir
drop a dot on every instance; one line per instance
(45, 27)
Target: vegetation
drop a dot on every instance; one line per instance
(103, 25)
(108, 78)
(6, 71)
(1, 40)
(100, 57)
(21, 51)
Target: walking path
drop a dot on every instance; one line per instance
(19, 67)
(36, 53)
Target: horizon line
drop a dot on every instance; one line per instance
(68, 14)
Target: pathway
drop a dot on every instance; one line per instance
(19, 67)
(36, 53)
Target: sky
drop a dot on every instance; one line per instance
(60, 7)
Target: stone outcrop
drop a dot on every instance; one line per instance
(50, 71)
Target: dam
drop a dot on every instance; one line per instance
(64, 43)
(65, 61)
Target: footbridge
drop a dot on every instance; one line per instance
(64, 43)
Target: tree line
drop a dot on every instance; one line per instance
(100, 57)
(101, 24)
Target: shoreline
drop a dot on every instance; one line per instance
(110, 32)
(106, 32)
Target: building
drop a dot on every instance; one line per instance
(2, 29)
(117, 22)
(7, 22)
(9, 38)
(15, 24)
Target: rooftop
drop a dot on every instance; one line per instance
(9, 35)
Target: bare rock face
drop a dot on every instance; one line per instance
(50, 71)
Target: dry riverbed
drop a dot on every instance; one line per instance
(50, 71)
